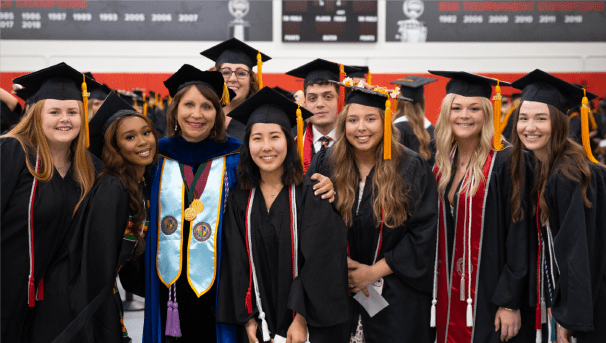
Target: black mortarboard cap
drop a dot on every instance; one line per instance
(269, 107)
(467, 84)
(113, 107)
(89, 74)
(362, 70)
(412, 87)
(25, 94)
(234, 51)
(319, 70)
(130, 97)
(366, 97)
(100, 93)
(288, 94)
(189, 75)
(542, 87)
(59, 82)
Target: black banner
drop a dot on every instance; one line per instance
(329, 21)
(496, 21)
(136, 20)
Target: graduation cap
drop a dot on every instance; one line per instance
(59, 82)
(237, 52)
(90, 75)
(113, 107)
(288, 94)
(360, 73)
(131, 98)
(542, 87)
(100, 93)
(472, 85)
(268, 106)
(319, 70)
(467, 84)
(412, 87)
(24, 94)
(189, 75)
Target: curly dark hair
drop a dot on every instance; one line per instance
(115, 164)
(249, 175)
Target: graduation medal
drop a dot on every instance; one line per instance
(204, 190)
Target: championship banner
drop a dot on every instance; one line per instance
(136, 20)
(495, 21)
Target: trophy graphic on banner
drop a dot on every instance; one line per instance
(238, 28)
(412, 30)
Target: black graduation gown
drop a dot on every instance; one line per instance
(505, 257)
(9, 118)
(579, 233)
(237, 130)
(410, 140)
(409, 250)
(319, 293)
(87, 266)
(54, 204)
(508, 128)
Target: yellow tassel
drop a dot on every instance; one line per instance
(225, 95)
(156, 99)
(395, 105)
(85, 95)
(300, 137)
(259, 69)
(368, 78)
(506, 119)
(387, 131)
(341, 102)
(170, 99)
(135, 104)
(585, 127)
(161, 103)
(144, 106)
(497, 118)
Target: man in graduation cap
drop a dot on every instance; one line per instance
(567, 279)
(284, 250)
(235, 59)
(97, 96)
(480, 288)
(416, 132)
(321, 99)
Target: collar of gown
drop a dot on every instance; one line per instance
(177, 148)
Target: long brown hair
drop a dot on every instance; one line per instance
(388, 190)
(254, 80)
(115, 164)
(30, 134)
(415, 113)
(444, 143)
(562, 153)
(218, 133)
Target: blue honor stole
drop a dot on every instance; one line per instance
(202, 241)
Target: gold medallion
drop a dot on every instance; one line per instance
(190, 214)
(197, 205)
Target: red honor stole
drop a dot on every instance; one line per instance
(456, 300)
(308, 146)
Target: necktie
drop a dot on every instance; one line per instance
(325, 140)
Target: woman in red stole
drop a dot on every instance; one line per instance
(480, 280)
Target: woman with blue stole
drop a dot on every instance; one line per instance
(284, 274)
(196, 169)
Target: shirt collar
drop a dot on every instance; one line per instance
(317, 135)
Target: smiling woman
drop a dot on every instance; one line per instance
(46, 172)
(196, 170)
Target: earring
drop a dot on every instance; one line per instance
(176, 127)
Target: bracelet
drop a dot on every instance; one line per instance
(508, 309)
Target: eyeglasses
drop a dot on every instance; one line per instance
(240, 73)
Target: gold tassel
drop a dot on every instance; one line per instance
(341, 102)
(161, 103)
(368, 77)
(144, 105)
(585, 127)
(387, 131)
(85, 95)
(497, 118)
(300, 137)
(170, 99)
(156, 99)
(259, 69)
(135, 104)
(225, 95)
(506, 119)
(395, 105)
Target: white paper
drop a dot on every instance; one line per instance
(280, 339)
(373, 303)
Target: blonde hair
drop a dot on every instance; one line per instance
(391, 200)
(445, 140)
(415, 113)
(30, 134)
